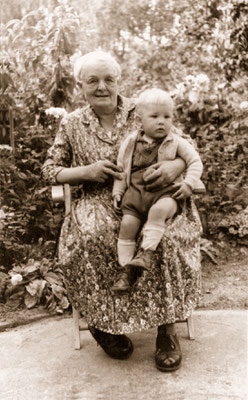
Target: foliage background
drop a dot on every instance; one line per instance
(196, 50)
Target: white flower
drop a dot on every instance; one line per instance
(243, 105)
(189, 79)
(56, 112)
(221, 85)
(202, 79)
(180, 90)
(193, 96)
(15, 279)
(6, 147)
(2, 214)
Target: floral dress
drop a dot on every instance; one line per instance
(88, 239)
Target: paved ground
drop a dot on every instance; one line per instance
(38, 362)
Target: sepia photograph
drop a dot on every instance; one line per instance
(123, 199)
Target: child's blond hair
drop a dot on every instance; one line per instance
(154, 96)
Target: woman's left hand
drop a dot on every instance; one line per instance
(182, 191)
(163, 174)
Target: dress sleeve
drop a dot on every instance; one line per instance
(59, 156)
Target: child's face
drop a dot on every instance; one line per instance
(156, 120)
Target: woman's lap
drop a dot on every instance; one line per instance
(89, 261)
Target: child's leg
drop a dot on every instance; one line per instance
(129, 228)
(163, 209)
(126, 245)
(154, 229)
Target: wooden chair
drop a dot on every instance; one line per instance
(62, 193)
(7, 127)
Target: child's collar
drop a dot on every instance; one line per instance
(150, 140)
(147, 139)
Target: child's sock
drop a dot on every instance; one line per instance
(152, 234)
(126, 249)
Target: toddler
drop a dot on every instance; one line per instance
(140, 150)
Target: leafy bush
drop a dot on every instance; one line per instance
(236, 226)
(27, 212)
(32, 284)
(215, 116)
(35, 74)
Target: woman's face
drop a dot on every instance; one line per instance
(100, 85)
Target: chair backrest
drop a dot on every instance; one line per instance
(7, 129)
(62, 193)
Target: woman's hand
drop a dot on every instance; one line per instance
(101, 170)
(96, 172)
(163, 174)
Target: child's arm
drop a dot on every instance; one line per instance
(117, 202)
(120, 185)
(194, 168)
(124, 162)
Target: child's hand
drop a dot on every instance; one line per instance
(117, 203)
(182, 191)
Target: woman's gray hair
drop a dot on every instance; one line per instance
(82, 63)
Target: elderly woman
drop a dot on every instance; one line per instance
(84, 153)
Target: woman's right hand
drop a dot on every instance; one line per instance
(101, 170)
(96, 172)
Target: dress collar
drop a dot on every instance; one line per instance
(89, 117)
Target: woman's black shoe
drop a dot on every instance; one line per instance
(168, 354)
(126, 278)
(116, 346)
(122, 283)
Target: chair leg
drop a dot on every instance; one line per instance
(76, 328)
(190, 325)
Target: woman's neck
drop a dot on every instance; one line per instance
(107, 119)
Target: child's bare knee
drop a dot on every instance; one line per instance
(163, 209)
(124, 228)
(129, 227)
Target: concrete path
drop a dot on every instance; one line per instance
(38, 362)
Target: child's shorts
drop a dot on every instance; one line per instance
(137, 201)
